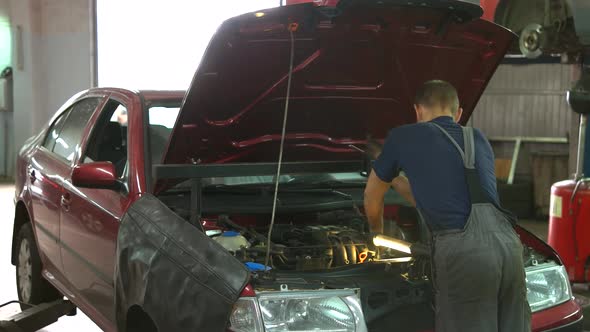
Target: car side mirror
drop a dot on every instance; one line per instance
(98, 175)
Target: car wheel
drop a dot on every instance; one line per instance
(31, 286)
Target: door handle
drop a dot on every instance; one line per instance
(65, 201)
(32, 176)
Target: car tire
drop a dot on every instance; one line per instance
(32, 288)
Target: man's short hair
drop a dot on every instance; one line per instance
(438, 93)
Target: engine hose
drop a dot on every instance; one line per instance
(340, 251)
(350, 249)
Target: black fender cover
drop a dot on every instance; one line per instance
(180, 277)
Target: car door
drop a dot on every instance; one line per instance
(49, 165)
(45, 173)
(89, 226)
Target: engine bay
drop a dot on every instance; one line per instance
(309, 241)
(315, 240)
(333, 250)
(312, 249)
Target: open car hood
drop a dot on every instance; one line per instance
(356, 69)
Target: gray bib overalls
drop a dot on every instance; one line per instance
(478, 271)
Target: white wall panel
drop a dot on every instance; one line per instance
(50, 59)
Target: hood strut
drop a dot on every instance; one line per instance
(292, 28)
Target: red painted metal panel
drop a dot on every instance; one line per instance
(489, 6)
(569, 228)
(556, 317)
(489, 9)
(341, 70)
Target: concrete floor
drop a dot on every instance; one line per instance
(81, 322)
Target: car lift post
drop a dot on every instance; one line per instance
(36, 317)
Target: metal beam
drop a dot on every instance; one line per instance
(518, 140)
(186, 171)
(529, 139)
(37, 317)
(514, 160)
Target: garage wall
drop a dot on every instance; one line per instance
(526, 100)
(6, 123)
(529, 100)
(51, 52)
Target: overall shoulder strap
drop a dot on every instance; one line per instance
(469, 143)
(476, 192)
(453, 141)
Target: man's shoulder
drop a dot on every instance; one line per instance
(481, 140)
(479, 135)
(409, 129)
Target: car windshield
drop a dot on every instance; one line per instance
(161, 118)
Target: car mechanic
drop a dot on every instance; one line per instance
(478, 270)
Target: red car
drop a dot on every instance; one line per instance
(151, 211)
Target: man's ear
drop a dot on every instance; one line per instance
(458, 114)
(418, 114)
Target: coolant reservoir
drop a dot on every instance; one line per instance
(232, 241)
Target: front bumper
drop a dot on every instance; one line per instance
(577, 326)
(566, 317)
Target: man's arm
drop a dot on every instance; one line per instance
(401, 184)
(374, 196)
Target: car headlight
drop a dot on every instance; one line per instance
(301, 311)
(246, 316)
(547, 286)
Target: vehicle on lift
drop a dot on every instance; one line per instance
(151, 211)
(543, 26)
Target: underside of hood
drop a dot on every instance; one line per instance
(356, 70)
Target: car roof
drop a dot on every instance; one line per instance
(146, 94)
(162, 94)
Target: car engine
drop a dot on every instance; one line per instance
(324, 240)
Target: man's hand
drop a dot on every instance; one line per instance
(374, 194)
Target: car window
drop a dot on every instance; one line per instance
(108, 140)
(54, 129)
(68, 140)
(161, 122)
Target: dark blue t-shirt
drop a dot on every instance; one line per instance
(435, 169)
